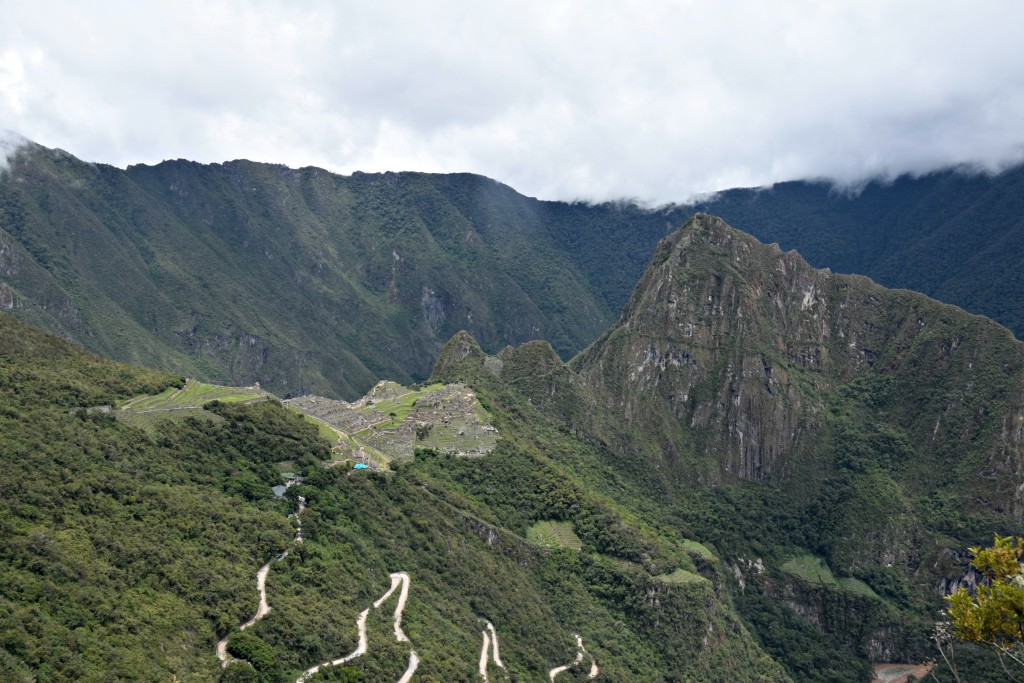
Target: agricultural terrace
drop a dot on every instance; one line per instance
(681, 576)
(177, 404)
(813, 570)
(193, 395)
(554, 535)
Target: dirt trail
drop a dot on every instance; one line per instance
(484, 657)
(580, 652)
(414, 661)
(397, 578)
(489, 650)
(494, 643)
(359, 651)
(263, 609)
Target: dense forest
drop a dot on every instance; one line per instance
(129, 552)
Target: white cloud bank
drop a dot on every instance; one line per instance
(10, 142)
(596, 100)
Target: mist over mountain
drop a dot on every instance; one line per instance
(955, 235)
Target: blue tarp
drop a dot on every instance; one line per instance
(361, 466)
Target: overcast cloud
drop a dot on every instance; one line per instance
(592, 100)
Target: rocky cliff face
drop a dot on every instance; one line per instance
(740, 356)
(777, 411)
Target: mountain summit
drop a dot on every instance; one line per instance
(739, 351)
(837, 442)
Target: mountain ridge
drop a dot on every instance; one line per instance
(878, 432)
(309, 281)
(686, 553)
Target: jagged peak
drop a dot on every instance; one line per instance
(459, 350)
(706, 246)
(713, 230)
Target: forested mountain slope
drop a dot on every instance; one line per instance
(128, 553)
(308, 281)
(954, 235)
(304, 280)
(837, 443)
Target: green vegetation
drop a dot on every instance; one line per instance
(550, 534)
(811, 569)
(828, 413)
(145, 547)
(305, 280)
(681, 576)
(194, 394)
(118, 545)
(698, 550)
(179, 404)
(993, 615)
(855, 586)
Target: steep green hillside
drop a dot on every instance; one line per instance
(953, 235)
(794, 416)
(129, 553)
(304, 280)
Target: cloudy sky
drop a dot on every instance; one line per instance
(655, 100)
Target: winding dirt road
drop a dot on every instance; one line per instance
(580, 652)
(397, 579)
(414, 661)
(484, 656)
(359, 651)
(263, 609)
(489, 651)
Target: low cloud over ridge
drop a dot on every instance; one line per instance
(654, 100)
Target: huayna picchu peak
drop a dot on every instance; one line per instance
(833, 421)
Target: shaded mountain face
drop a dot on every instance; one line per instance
(304, 280)
(793, 416)
(954, 235)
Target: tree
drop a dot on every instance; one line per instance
(993, 616)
